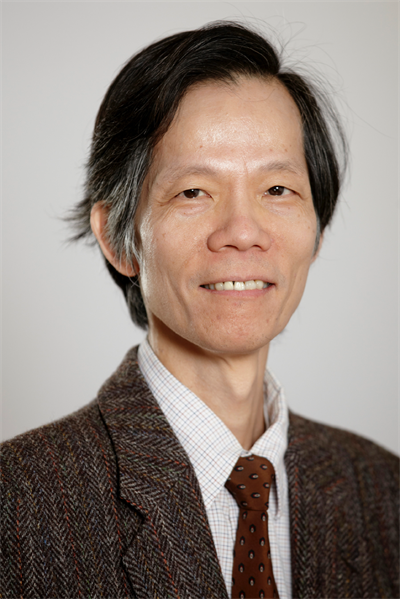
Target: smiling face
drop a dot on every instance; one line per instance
(227, 200)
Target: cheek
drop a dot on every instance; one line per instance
(297, 252)
(164, 247)
(149, 264)
(298, 236)
(154, 256)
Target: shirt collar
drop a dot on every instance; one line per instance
(212, 448)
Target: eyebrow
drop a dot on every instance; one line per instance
(276, 165)
(284, 165)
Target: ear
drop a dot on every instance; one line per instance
(98, 222)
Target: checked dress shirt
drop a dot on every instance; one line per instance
(214, 451)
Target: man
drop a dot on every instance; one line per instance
(211, 180)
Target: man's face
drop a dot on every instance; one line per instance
(227, 199)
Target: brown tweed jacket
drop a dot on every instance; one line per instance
(105, 503)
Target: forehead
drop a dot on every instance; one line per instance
(246, 124)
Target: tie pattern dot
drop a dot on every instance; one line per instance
(250, 483)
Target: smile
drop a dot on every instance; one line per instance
(237, 285)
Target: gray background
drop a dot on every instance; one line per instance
(66, 326)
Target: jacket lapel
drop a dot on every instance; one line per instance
(325, 529)
(170, 550)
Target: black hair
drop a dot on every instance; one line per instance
(140, 104)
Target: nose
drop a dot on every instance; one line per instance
(239, 226)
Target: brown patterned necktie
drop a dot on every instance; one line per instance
(250, 483)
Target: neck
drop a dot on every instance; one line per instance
(231, 385)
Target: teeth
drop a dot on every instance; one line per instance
(238, 285)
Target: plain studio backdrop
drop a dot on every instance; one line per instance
(66, 326)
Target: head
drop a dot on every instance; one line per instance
(153, 103)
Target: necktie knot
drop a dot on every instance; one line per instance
(250, 482)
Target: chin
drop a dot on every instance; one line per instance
(235, 339)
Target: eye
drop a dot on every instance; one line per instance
(278, 190)
(192, 193)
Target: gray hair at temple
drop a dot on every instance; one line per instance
(140, 105)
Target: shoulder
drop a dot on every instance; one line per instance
(329, 451)
(60, 501)
(349, 445)
(57, 481)
(78, 439)
(55, 455)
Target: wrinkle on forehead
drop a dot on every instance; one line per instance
(171, 174)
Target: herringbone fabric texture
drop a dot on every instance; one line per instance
(104, 503)
(250, 483)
